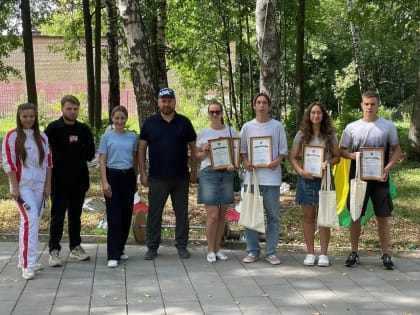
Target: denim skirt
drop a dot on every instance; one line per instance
(307, 191)
(215, 188)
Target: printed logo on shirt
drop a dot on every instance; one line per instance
(73, 138)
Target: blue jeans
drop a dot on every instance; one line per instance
(271, 200)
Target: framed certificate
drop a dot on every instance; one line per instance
(220, 153)
(312, 158)
(235, 150)
(261, 151)
(372, 163)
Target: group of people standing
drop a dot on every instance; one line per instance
(215, 187)
(55, 162)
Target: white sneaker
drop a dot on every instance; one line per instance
(28, 273)
(221, 256)
(112, 263)
(309, 260)
(323, 261)
(37, 267)
(54, 260)
(211, 257)
(124, 257)
(79, 253)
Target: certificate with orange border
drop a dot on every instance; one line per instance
(372, 163)
(261, 151)
(312, 158)
(220, 153)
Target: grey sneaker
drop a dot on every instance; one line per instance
(54, 260)
(79, 253)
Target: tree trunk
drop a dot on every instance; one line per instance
(138, 49)
(269, 53)
(29, 52)
(98, 66)
(414, 132)
(113, 68)
(358, 56)
(87, 20)
(300, 50)
(161, 71)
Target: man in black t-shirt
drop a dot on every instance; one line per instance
(167, 136)
(72, 147)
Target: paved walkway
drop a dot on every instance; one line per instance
(170, 285)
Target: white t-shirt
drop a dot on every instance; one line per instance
(209, 133)
(271, 128)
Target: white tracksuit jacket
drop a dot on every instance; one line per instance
(31, 179)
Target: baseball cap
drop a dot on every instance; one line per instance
(166, 92)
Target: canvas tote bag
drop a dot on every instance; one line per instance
(252, 209)
(357, 192)
(327, 210)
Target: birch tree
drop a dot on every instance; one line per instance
(140, 65)
(269, 53)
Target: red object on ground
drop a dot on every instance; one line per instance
(232, 215)
(140, 207)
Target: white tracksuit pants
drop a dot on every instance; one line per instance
(29, 225)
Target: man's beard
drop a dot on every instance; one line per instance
(167, 110)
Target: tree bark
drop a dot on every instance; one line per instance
(29, 52)
(140, 65)
(161, 71)
(300, 48)
(98, 66)
(113, 68)
(269, 53)
(414, 132)
(87, 20)
(358, 56)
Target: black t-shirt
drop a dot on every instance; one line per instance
(72, 146)
(168, 146)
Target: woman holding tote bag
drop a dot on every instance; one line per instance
(215, 188)
(315, 129)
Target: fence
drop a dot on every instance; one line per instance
(12, 94)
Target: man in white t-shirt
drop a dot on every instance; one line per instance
(372, 131)
(269, 177)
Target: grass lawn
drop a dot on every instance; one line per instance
(405, 224)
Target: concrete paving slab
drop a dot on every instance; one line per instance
(171, 285)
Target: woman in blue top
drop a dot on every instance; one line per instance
(118, 166)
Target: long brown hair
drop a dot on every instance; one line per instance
(21, 136)
(326, 129)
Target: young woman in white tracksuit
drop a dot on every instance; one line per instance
(27, 162)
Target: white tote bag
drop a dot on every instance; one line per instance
(252, 209)
(357, 192)
(327, 211)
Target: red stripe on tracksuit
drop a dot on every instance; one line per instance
(25, 238)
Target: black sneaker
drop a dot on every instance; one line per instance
(388, 264)
(352, 260)
(183, 253)
(150, 254)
